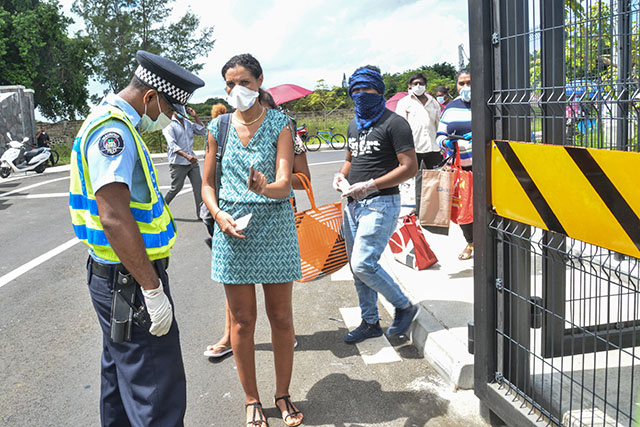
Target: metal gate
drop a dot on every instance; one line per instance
(556, 114)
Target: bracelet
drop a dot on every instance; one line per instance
(216, 215)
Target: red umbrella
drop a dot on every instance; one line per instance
(393, 101)
(287, 92)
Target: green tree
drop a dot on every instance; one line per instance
(118, 28)
(324, 98)
(398, 82)
(36, 52)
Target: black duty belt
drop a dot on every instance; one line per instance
(106, 270)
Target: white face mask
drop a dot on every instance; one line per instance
(440, 99)
(465, 93)
(149, 125)
(242, 98)
(418, 90)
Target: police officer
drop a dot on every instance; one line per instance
(118, 211)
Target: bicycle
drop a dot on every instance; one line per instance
(335, 140)
(54, 157)
(54, 154)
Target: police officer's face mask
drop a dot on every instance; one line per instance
(150, 125)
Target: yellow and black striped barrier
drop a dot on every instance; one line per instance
(587, 194)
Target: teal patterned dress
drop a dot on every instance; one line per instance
(269, 253)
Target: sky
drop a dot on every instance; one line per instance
(303, 41)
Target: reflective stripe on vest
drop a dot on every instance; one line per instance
(154, 218)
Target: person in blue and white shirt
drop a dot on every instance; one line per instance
(183, 161)
(456, 120)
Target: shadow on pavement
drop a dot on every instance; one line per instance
(462, 273)
(8, 186)
(321, 341)
(340, 401)
(5, 204)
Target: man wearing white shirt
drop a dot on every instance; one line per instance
(183, 161)
(422, 112)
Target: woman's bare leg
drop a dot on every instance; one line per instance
(278, 298)
(241, 300)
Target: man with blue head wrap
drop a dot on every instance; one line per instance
(380, 156)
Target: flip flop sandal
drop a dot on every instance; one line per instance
(466, 253)
(256, 419)
(211, 352)
(292, 411)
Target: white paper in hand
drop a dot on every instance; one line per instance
(344, 185)
(242, 222)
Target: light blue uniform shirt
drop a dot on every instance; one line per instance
(124, 167)
(180, 137)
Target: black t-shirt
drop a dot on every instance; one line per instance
(374, 151)
(43, 138)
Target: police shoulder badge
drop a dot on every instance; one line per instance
(111, 144)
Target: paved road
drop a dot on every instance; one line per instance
(50, 352)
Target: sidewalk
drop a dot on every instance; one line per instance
(444, 293)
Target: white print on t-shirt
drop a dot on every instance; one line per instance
(362, 145)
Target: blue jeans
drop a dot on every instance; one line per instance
(368, 226)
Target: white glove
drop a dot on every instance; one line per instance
(340, 182)
(361, 190)
(159, 309)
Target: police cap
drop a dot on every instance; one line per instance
(174, 82)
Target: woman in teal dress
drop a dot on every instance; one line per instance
(256, 179)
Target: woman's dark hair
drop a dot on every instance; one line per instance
(463, 71)
(443, 89)
(266, 99)
(417, 76)
(245, 60)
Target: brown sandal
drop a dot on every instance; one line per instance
(292, 411)
(256, 419)
(466, 252)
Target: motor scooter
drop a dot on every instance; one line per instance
(17, 159)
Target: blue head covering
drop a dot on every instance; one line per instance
(369, 107)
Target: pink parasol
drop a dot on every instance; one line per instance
(287, 92)
(393, 101)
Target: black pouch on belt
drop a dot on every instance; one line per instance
(124, 289)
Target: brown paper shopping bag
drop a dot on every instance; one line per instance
(435, 199)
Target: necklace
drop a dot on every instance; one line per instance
(252, 121)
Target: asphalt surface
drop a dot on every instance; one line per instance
(51, 343)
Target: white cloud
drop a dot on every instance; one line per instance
(303, 41)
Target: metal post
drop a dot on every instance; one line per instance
(624, 73)
(484, 307)
(514, 29)
(553, 132)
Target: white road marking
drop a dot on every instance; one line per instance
(372, 350)
(37, 261)
(29, 187)
(342, 275)
(326, 163)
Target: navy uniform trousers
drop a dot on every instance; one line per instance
(143, 381)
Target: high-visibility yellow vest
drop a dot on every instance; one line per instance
(154, 218)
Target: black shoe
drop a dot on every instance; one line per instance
(402, 320)
(362, 332)
(207, 241)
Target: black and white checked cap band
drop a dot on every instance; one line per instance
(162, 85)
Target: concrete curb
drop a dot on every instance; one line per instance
(441, 346)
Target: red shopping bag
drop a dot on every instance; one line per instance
(410, 247)
(461, 193)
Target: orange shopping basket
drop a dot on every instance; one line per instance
(322, 247)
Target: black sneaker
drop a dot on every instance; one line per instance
(402, 320)
(362, 332)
